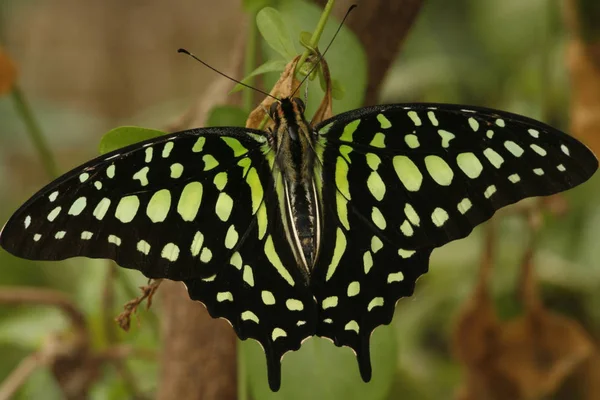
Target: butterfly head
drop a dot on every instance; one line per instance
(289, 114)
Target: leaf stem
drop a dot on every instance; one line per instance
(250, 63)
(35, 132)
(316, 36)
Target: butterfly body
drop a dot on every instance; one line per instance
(302, 230)
(293, 143)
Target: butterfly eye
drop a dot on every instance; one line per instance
(299, 103)
(273, 109)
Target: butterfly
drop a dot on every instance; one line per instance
(300, 230)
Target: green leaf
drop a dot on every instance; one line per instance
(332, 371)
(305, 38)
(275, 32)
(124, 136)
(269, 66)
(346, 57)
(253, 6)
(227, 116)
(337, 89)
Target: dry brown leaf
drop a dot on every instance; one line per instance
(284, 87)
(529, 357)
(8, 73)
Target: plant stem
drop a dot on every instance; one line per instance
(314, 39)
(247, 104)
(35, 132)
(242, 374)
(250, 63)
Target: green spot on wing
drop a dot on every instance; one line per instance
(236, 146)
(349, 130)
(385, 123)
(273, 257)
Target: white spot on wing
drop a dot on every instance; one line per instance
(114, 240)
(78, 206)
(54, 213)
(143, 247)
(489, 191)
(101, 208)
(170, 252)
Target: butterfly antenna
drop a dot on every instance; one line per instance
(352, 7)
(184, 51)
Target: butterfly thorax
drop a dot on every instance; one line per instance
(295, 160)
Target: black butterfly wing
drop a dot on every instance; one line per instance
(196, 206)
(401, 180)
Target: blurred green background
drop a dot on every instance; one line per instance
(87, 67)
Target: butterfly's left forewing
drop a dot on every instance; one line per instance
(197, 206)
(401, 180)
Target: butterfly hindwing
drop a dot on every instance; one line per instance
(406, 179)
(261, 292)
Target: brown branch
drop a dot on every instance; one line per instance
(381, 26)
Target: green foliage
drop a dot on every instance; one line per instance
(346, 58)
(226, 116)
(125, 136)
(273, 29)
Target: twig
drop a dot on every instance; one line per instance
(56, 348)
(250, 63)
(20, 374)
(35, 132)
(108, 305)
(124, 319)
